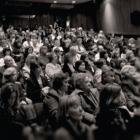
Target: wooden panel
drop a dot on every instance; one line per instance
(115, 16)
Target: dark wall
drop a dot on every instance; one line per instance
(82, 15)
(113, 16)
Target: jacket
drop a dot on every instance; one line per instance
(34, 89)
(50, 106)
(89, 103)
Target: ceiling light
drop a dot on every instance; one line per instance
(73, 1)
(55, 1)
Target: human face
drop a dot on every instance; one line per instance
(54, 58)
(109, 77)
(8, 53)
(9, 62)
(74, 111)
(33, 59)
(70, 59)
(46, 41)
(12, 99)
(65, 84)
(30, 50)
(86, 84)
(82, 67)
(119, 100)
(13, 77)
(122, 64)
(44, 50)
(37, 71)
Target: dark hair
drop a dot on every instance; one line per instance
(26, 51)
(102, 53)
(58, 80)
(6, 49)
(108, 95)
(66, 58)
(83, 57)
(6, 92)
(51, 56)
(34, 65)
(77, 64)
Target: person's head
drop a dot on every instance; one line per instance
(8, 60)
(28, 50)
(103, 54)
(9, 97)
(100, 48)
(110, 97)
(129, 55)
(131, 40)
(57, 43)
(73, 39)
(79, 41)
(99, 63)
(45, 41)
(53, 58)
(91, 56)
(34, 132)
(68, 58)
(43, 50)
(35, 68)
(31, 58)
(73, 51)
(60, 81)
(120, 63)
(115, 54)
(69, 110)
(10, 74)
(124, 49)
(108, 75)
(80, 66)
(6, 52)
(84, 57)
(82, 81)
(127, 72)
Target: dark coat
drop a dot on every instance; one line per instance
(66, 69)
(69, 132)
(34, 89)
(128, 89)
(89, 103)
(50, 106)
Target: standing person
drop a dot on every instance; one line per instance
(56, 23)
(68, 22)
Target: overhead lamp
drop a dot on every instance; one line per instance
(55, 1)
(73, 1)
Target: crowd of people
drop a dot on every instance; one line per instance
(68, 84)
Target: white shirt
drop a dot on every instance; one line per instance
(26, 44)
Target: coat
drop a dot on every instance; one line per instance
(89, 103)
(34, 89)
(50, 106)
(69, 132)
(128, 89)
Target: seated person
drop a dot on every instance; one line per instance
(11, 75)
(87, 95)
(36, 83)
(52, 67)
(51, 101)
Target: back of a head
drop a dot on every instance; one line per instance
(108, 97)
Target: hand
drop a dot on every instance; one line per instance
(28, 101)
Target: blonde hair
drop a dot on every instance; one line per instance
(28, 59)
(128, 71)
(9, 71)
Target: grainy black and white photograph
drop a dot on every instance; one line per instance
(69, 69)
